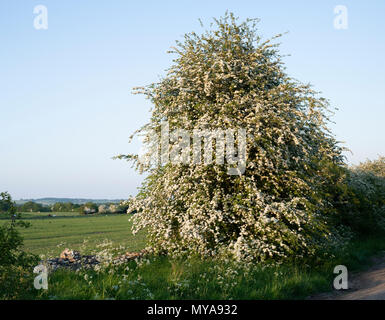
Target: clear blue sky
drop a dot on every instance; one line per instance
(65, 92)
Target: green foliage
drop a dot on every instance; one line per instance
(15, 264)
(165, 278)
(32, 206)
(361, 202)
(376, 167)
(120, 208)
(5, 202)
(16, 282)
(89, 208)
(65, 207)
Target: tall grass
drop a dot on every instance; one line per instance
(165, 278)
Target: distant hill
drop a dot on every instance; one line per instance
(51, 201)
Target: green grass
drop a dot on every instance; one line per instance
(165, 278)
(50, 235)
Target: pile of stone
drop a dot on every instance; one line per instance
(71, 259)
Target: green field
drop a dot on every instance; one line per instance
(160, 277)
(50, 235)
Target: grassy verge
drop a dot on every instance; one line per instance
(164, 278)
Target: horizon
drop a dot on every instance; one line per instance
(69, 198)
(67, 106)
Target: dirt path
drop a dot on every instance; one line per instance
(367, 285)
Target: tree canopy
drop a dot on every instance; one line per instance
(230, 78)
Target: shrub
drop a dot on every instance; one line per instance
(119, 208)
(5, 202)
(103, 209)
(65, 207)
(31, 206)
(376, 167)
(229, 78)
(89, 208)
(15, 264)
(361, 206)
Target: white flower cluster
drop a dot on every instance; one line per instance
(230, 78)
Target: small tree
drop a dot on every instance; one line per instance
(15, 264)
(229, 78)
(5, 202)
(10, 238)
(89, 208)
(32, 206)
(103, 209)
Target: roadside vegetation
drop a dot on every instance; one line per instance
(15, 264)
(161, 277)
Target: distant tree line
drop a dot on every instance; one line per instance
(87, 208)
(31, 206)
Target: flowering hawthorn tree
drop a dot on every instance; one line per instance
(229, 77)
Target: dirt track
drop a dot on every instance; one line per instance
(367, 285)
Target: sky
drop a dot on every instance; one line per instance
(66, 102)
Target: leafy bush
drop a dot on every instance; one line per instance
(361, 206)
(89, 208)
(15, 264)
(376, 167)
(229, 78)
(32, 206)
(5, 202)
(65, 207)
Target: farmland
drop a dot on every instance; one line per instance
(49, 235)
(167, 278)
